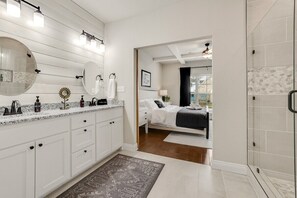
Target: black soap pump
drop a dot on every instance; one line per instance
(37, 105)
(82, 101)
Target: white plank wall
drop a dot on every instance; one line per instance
(54, 47)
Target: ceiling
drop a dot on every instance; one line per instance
(113, 10)
(178, 52)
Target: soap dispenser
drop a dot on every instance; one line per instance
(37, 105)
(82, 102)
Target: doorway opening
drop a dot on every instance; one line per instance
(174, 100)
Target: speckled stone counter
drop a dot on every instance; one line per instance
(54, 113)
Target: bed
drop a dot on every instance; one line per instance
(175, 118)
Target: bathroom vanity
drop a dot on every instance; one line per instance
(40, 152)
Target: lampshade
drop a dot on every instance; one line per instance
(102, 47)
(163, 92)
(38, 18)
(13, 8)
(93, 43)
(83, 39)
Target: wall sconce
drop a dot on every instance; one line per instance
(13, 8)
(84, 37)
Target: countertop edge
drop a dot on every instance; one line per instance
(8, 121)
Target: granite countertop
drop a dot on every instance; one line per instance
(48, 114)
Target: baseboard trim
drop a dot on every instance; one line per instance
(229, 167)
(130, 147)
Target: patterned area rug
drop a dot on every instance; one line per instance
(120, 177)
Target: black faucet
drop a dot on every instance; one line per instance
(93, 101)
(14, 109)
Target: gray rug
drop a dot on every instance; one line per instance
(120, 177)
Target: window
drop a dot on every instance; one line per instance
(201, 89)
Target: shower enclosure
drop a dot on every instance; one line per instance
(271, 77)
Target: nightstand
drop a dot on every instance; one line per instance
(143, 118)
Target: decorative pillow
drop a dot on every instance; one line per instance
(159, 103)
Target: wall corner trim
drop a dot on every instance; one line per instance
(130, 147)
(230, 167)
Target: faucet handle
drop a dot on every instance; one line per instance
(6, 111)
(19, 111)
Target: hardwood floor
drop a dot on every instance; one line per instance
(153, 143)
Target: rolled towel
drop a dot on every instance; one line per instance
(112, 89)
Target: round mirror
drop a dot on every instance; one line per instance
(92, 78)
(17, 67)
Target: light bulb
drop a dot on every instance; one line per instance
(102, 47)
(93, 43)
(38, 18)
(13, 8)
(83, 39)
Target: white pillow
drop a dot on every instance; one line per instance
(150, 104)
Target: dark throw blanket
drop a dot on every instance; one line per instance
(194, 119)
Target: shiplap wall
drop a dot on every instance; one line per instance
(55, 48)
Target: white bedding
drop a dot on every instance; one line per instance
(165, 116)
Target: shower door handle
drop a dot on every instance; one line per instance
(290, 100)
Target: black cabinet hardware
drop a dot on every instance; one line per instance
(85, 120)
(85, 130)
(85, 151)
(40, 145)
(31, 147)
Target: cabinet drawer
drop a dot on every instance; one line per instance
(83, 137)
(25, 132)
(83, 159)
(82, 120)
(109, 114)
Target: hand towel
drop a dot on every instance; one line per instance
(112, 89)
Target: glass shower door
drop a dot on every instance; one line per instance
(270, 70)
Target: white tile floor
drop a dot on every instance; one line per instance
(182, 179)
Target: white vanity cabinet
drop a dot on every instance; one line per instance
(83, 142)
(34, 158)
(109, 131)
(52, 163)
(38, 157)
(17, 171)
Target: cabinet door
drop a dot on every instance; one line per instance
(17, 171)
(103, 139)
(52, 163)
(117, 134)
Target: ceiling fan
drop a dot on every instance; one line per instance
(207, 53)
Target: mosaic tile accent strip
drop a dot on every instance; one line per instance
(120, 177)
(270, 80)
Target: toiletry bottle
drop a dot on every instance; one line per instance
(37, 105)
(82, 102)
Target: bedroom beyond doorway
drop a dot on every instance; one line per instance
(175, 101)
